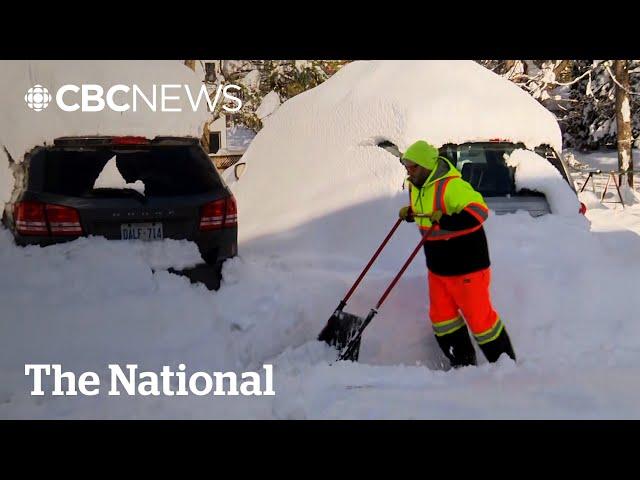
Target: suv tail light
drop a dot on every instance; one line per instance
(221, 213)
(37, 218)
(30, 218)
(231, 220)
(583, 209)
(63, 220)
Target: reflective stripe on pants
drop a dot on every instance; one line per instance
(448, 326)
(468, 294)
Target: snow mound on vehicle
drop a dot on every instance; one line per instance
(535, 173)
(22, 128)
(319, 150)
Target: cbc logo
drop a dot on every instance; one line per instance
(94, 98)
(37, 98)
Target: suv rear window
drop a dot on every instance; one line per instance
(482, 164)
(165, 170)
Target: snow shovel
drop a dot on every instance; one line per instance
(343, 329)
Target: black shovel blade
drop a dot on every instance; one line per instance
(340, 329)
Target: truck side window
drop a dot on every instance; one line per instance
(549, 153)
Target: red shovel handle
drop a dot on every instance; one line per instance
(373, 259)
(404, 267)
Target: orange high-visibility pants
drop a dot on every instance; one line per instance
(469, 294)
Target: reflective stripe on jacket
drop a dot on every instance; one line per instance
(445, 190)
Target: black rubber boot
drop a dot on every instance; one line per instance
(493, 349)
(458, 348)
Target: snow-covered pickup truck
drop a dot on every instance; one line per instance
(484, 166)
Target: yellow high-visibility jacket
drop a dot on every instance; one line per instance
(457, 244)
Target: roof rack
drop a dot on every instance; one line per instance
(117, 140)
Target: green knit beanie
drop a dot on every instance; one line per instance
(422, 153)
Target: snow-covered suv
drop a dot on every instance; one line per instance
(169, 189)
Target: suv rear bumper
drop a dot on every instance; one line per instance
(215, 246)
(536, 206)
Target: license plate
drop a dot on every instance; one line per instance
(141, 231)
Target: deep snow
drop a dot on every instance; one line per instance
(565, 298)
(309, 220)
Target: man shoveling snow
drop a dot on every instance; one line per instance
(451, 212)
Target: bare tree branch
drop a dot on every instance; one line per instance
(618, 83)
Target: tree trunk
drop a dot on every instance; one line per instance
(623, 118)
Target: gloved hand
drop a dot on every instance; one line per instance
(406, 214)
(435, 216)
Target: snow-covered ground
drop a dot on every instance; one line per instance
(310, 216)
(609, 214)
(565, 293)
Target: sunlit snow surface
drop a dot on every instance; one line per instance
(565, 288)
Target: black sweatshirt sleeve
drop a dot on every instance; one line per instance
(458, 221)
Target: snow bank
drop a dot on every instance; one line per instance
(21, 128)
(535, 173)
(6, 179)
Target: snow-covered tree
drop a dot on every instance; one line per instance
(542, 79)
(262, 80)
(270, 81)
(591, 123)
(581, 93)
